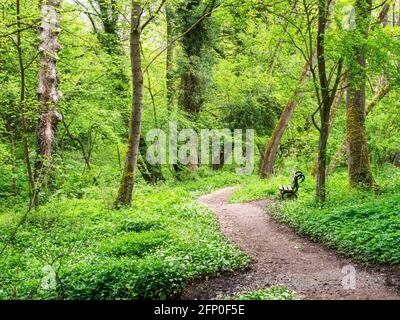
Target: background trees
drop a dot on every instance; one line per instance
(223, 64)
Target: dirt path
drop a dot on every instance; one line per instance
(285, 258)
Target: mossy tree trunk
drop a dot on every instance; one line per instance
(193, 44)
(194, 15)
(359, 166)
(124, 196)
(341, 151)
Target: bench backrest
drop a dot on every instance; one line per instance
(298, 177)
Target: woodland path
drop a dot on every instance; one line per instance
(281, 257)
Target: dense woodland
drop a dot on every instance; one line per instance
(84, 81)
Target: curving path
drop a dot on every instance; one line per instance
(284, 258)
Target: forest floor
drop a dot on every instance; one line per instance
(281, 257)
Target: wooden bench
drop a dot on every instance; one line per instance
(292, 190)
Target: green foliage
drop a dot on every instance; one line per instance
(244, 61)
(357, 224)
(258, 113)
(147, 252)
(257, 189)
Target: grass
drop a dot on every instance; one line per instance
(257, 189)
(149, 251)
(358, 224)
(166, 240)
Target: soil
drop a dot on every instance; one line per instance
(282, 257)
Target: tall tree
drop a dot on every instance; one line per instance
(109, 37)
(381, 90)
(327, 97)
(126, 187)
(360, 173)
(124, 196)
(170, 56)
(24, 125)
(48, 91)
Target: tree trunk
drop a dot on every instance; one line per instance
(24, 126)
(112, 45)
(360, 172)
(48, 92)
(325, 105)
(170, 58)
(124, 196)
(192, 89)
(335, 107)
(380, 92)
(267, 165)
(341, 151)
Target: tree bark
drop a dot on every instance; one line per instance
(124, 196)
(48, 92)
(359, 166)
(341, 151)
(325, 103)
(335, 107)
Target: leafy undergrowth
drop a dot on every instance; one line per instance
(149, 251)
(257, 189)
(360, 224)
(273, 293)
